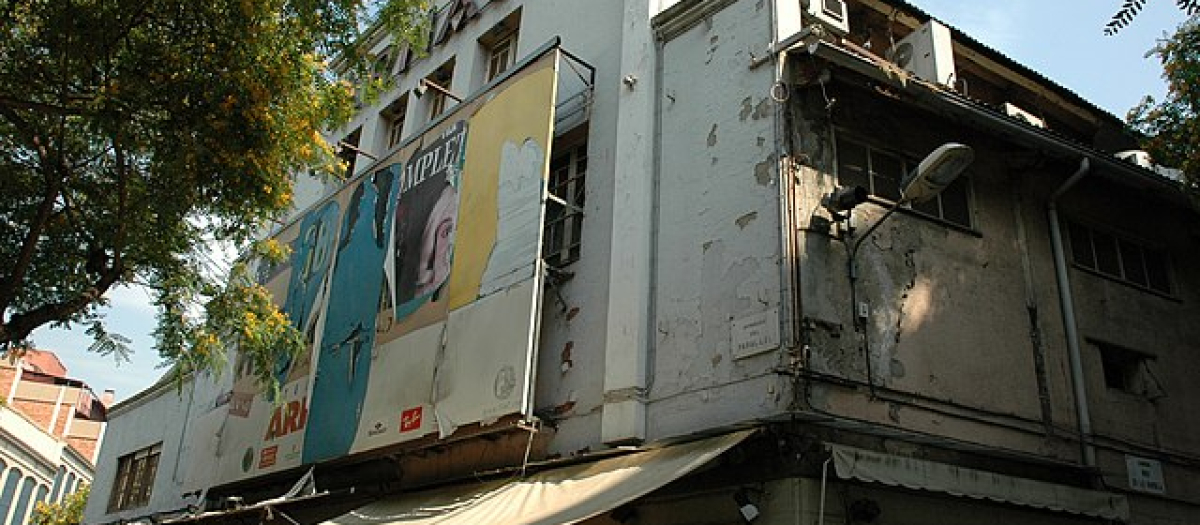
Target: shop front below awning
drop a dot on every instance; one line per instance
(563, 495)
(911, 473)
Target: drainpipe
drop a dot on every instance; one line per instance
(1067, 306)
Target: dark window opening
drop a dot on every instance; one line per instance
(1128, 371)
(393, 122)
(348, 150)
(442, 77)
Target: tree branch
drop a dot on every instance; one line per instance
(19, 326)
(11, 283)
(10, 102)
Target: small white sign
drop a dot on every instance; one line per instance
(755, 334)
(1145, 474)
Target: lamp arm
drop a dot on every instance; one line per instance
(858, 242)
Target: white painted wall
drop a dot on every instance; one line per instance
(718, 237)
(162, 414)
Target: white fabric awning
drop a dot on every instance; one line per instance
(866, 465)
(561, 495)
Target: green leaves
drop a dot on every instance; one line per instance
(1130, 9)
(67, 512)
(133, 132)
(1170, 127)
(107, 343)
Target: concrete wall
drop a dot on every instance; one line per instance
(682, 242)
(717, 225)
(161, 414)
(964, 333)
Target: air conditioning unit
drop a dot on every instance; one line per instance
(927, 53)
(1136, 157)
(792, 16)
(1020, 114)
(831, 13)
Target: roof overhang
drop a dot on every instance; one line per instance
(918, 474)
(562, 495)
(973, 113)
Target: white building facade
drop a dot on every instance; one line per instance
(681, 295)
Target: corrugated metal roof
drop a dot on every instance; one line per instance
(982, 114)
(994, 54)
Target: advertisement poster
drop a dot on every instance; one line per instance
(417, 289)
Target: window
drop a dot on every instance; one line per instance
(392, 118)
(382, 67)
(499, 46)
(1128, 371)
(500, 56)
(1120, 258)
(564, 223)
(348, 150)
(135, 479)
(881, 172)
(441, 78)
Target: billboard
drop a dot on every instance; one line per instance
(417, 289)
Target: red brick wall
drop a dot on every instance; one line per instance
(39, 412)
(85, 446)
(7, 373)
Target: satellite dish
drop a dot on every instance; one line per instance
(935, 172)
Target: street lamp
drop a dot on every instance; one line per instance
(933, 174)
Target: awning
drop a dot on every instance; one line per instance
(866, 465)
(562, 495)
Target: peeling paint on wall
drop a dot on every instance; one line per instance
(746, 219)
(763, 171)
(763, 110)
(747, 109)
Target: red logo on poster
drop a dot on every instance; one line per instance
(268, 457)
(410, 419)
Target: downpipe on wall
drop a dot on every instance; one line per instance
(1067, 307)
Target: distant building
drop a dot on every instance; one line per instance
(51, 427)
(663, 263)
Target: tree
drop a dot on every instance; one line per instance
(1130, 9)
(134, 132)
(69, 511)
(1171, 128)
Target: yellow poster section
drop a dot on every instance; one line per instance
(523, 110)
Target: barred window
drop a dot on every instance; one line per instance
(564, 223)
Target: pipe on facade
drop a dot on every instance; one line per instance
(655, 190)
(1067, 307)
(824, 480)
(789, 306)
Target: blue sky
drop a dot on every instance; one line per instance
(1064, 41)
(1061, 39)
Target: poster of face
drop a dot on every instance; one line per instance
(426, 221)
